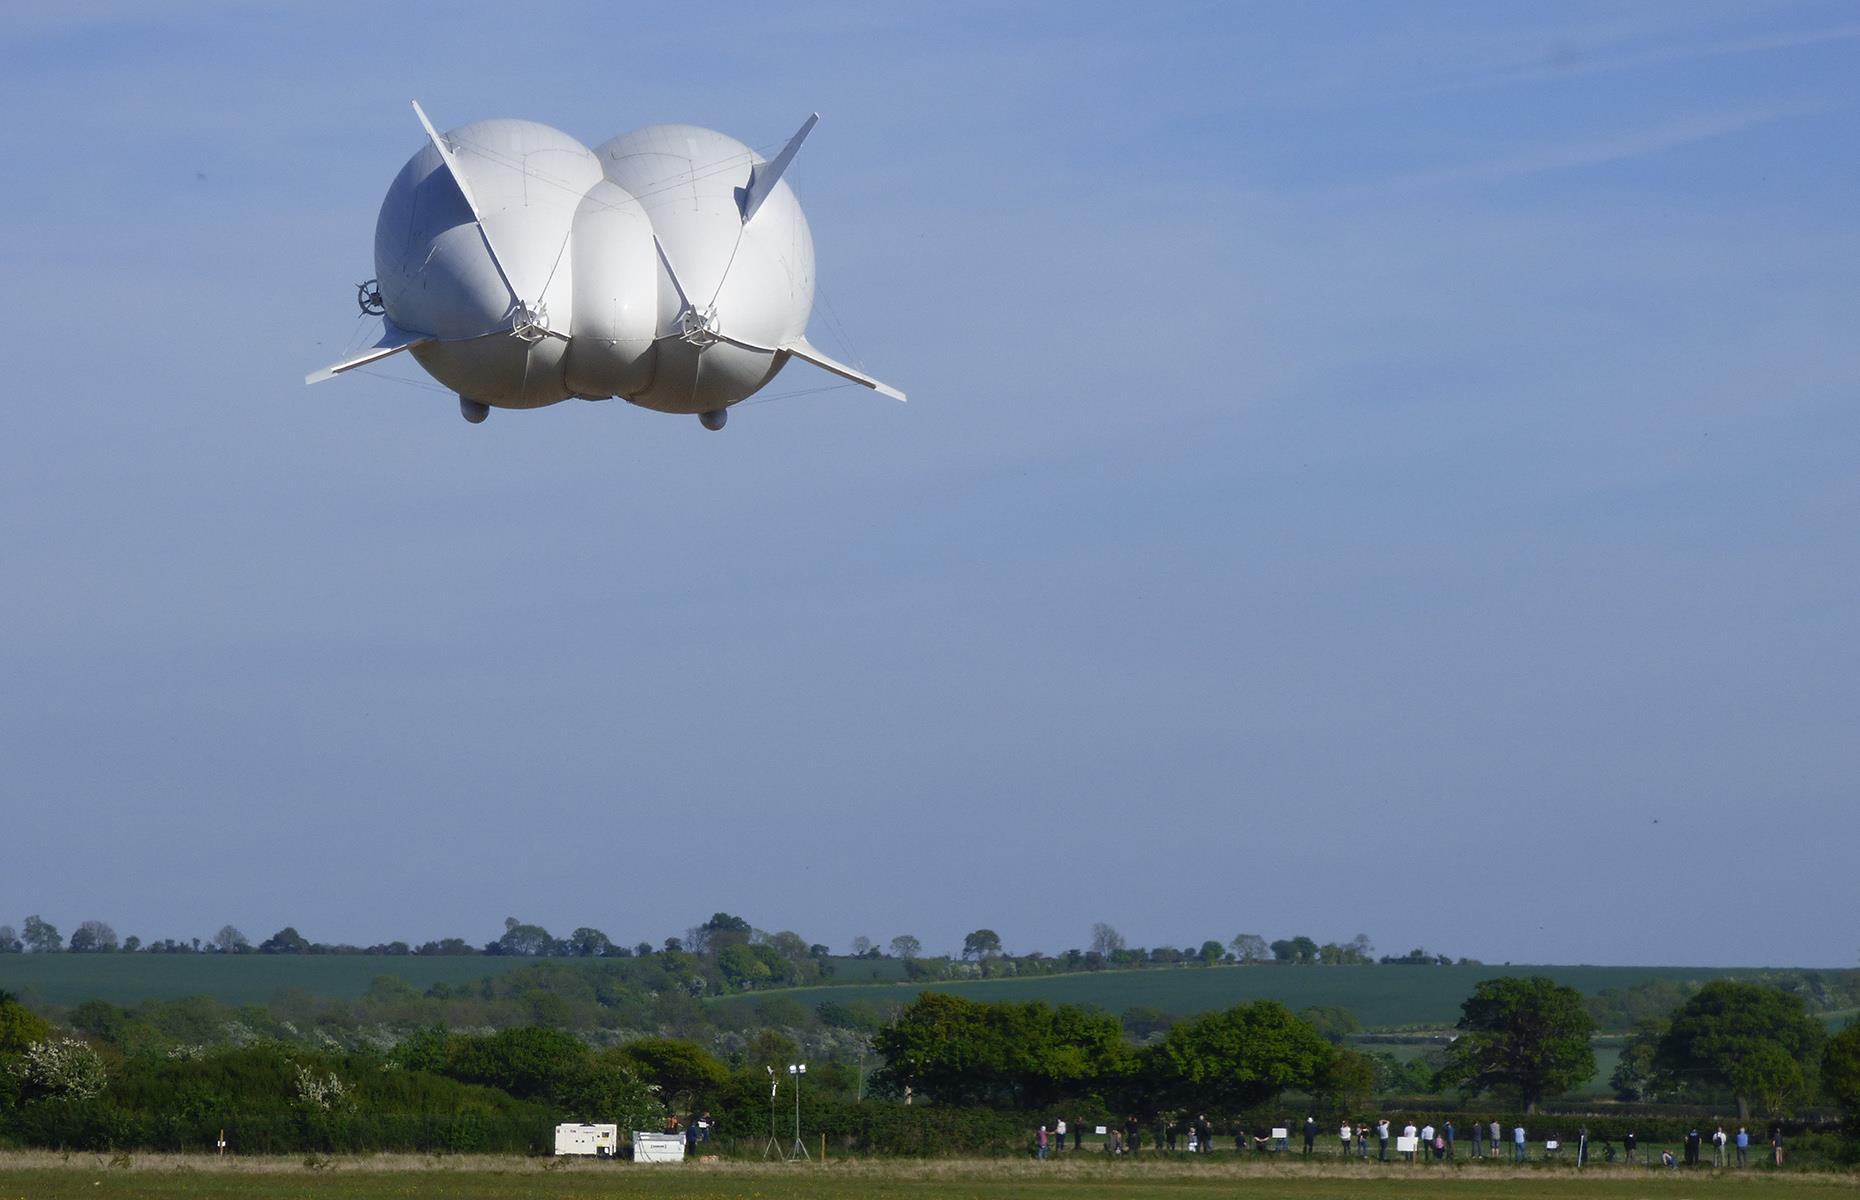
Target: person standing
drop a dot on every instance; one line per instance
(1628, 1143)
(1776, 1145)
(1494, 1139)
(1039, 1143)
(1743, 1145)
(1207, 1134)
(1517, 1144)
(1382, 1139)
(1427, 1141)
(1692, 1146)
(1718, 1142)
(1478, 1139)
(1345, 1134)
(1362, 1138)
(1059, 1136)
(1311, 1131)
(1448, 1134)
(1170, 1131)
(1133, 1138)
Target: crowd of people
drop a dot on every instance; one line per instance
(1411, 1143)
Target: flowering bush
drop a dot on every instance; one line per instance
(323, 1092)
(61, 1069)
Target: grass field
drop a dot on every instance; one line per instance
(1381, 996)
(236, 979)
(45, 1176)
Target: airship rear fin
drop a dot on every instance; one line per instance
(457, 172)
(394, 339)
(804, 350)
(764, 176)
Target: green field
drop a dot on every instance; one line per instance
(1380, 996)
(42, 1177)
(236, 979)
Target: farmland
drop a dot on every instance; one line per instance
(1381, 997)
(44, 1176)
(68, 979)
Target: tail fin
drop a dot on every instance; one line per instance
(394, 339)
(804, 350)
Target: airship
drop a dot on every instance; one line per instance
(671, 267)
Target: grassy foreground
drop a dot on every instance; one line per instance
(41, 1175)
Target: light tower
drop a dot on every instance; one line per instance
(773, 1148)
(796, 1072)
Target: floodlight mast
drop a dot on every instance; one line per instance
(773, 1148)
(796, 1072)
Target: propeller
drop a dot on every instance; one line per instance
(698, 327)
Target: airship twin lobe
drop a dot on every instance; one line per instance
(670, 266)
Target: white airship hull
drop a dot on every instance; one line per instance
(671, 267)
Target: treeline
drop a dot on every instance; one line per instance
(951, 1075)
(982, 951)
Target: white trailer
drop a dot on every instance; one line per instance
(600, 1140)
(658, 1147)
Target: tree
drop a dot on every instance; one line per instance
(1346, 1081)
(521, 939)
(285, 941)
(1250, 948)
(230, 941)
(20, 1027)
(41, 936)
(790, 946)
(983, 943)
(9, 940)
(61, 1069)
(1730, 1034)
(588, 943)
(1769, 1076)
(742, 967)
(1105, 940)
(1211, 952)
(1840, 1075)
(131, 944)
(1354, 952)
(862, 946)
(684, 1072)
(93, 937)
(1634, 1079)
(528, 1062)
(1237, 1058)
(1528, 1036)
(1333, 1022)
(723, 929)
(1019, 1055)
(906, 946)
(1300, 949)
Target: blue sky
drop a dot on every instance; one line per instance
(1370, 468)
